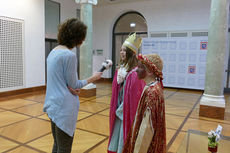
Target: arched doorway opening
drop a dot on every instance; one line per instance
(125, 25)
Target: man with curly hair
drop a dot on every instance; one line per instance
(148, 133)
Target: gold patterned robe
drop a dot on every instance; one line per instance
(148, 133)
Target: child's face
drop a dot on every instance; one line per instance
(141, 71)
(123, 53)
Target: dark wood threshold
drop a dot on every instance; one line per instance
(165, 87)
(104, 80)
(22, 91)
(212, 112)
(86, 93)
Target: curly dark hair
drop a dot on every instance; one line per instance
(130, 60)
(71, 33)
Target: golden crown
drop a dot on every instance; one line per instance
(133, 42)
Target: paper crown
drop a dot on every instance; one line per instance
(133, 42)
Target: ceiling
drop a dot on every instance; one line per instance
(106, 2)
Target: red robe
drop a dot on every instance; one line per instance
(132, 93)
(153, 100)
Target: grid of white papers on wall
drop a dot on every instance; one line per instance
(184, 60)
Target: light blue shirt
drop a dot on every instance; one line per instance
(60, 105)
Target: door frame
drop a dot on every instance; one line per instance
(50, 41)
(121, 33)
(227, 88)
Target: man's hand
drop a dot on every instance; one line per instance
(74, 91)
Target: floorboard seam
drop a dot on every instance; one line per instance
(181, 126)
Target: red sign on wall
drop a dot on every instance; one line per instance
(192, 69)
(203, 45)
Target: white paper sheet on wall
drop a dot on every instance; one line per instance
(184, 60)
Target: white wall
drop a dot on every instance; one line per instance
(161, 15)
(32, 12)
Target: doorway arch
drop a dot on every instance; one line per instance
(125, 25)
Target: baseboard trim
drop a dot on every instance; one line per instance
(41, 88)
(22, 91)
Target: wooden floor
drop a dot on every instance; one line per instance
(24, 128)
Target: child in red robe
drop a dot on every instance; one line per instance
(148, 133)
(126, 92)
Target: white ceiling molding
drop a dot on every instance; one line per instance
(94, 2)
(106, 2)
